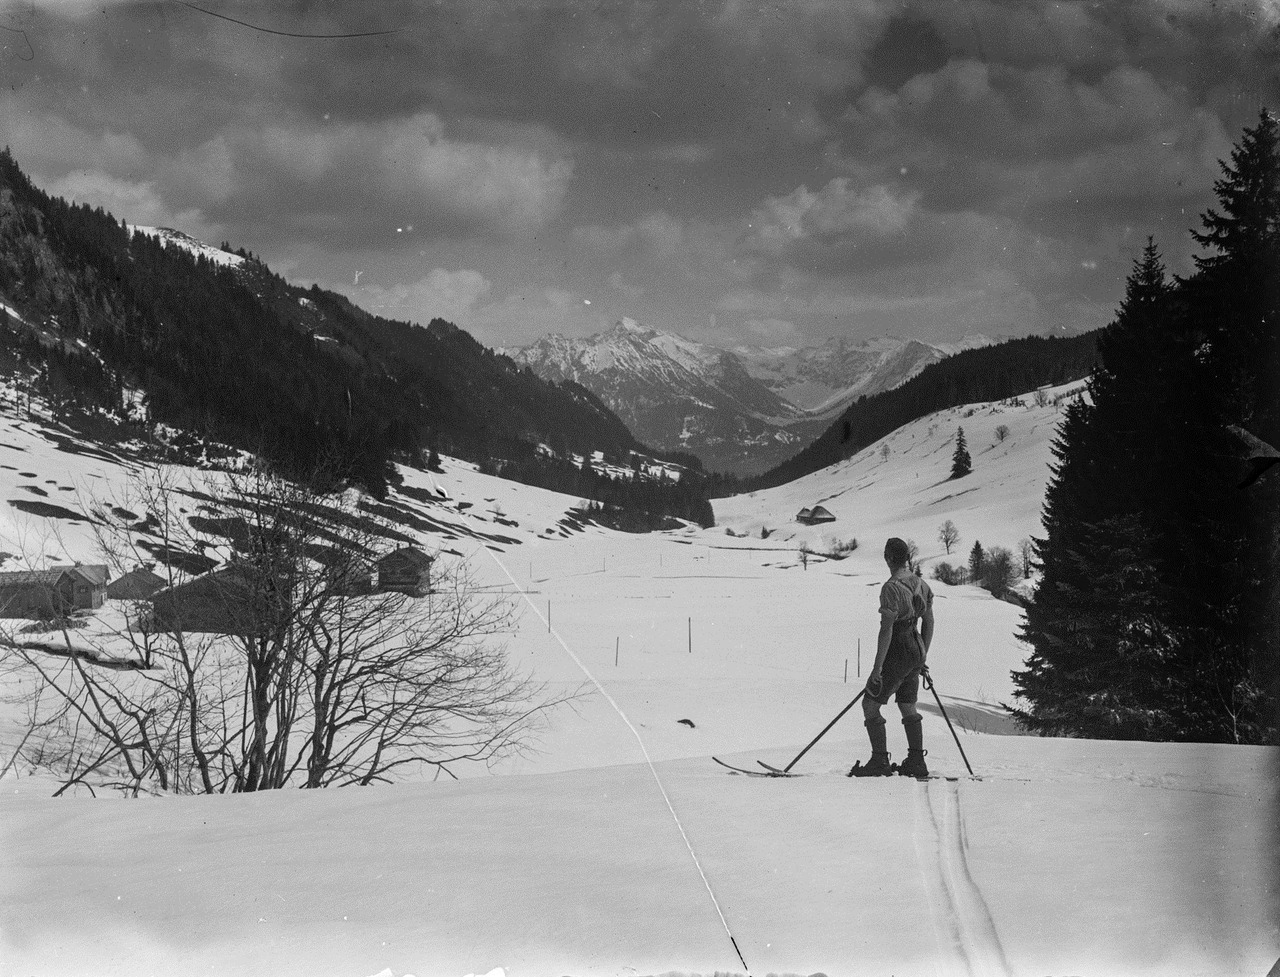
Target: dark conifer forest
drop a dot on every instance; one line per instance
(1156, 615)
(301, 377)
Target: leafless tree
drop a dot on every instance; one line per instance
(287, 665)
(1026, 550)
(948, 535)
(1002, 432)
(913, 556)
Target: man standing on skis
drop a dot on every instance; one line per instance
(901, 651)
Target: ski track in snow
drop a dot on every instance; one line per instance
(962, 922)
(706, 882)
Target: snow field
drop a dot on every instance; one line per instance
(1068, 857)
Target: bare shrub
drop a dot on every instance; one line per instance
(950, 575)
(289, 665)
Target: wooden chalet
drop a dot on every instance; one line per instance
(137, 584)
(54, 592)
(406, 570)
(815, 515)
(345, 572)
(235, 600)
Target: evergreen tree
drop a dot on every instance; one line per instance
(1234, 302)
(961, 464)
(1155, 615)
(977, 559)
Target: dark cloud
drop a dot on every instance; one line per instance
(867, 160)
(908, 46)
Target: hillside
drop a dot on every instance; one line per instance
(224, 348)
(621, 847)
(990, 373)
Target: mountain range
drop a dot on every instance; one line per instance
(116, 324)
(740, 409)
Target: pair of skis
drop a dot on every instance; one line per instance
(768, 770)
(772, 771)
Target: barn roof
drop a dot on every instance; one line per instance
(26, 578)
(95, 573)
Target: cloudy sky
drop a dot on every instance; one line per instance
(765, 172)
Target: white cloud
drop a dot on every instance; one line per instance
(838, 209)
(451, 295)
(504, 186)
(348, 182)
(526, 315)
(138, 202)
(772, 332)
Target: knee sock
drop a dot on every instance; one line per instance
(876, 733)
(915, 734)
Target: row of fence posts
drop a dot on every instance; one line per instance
(617, 643)
(617, 646)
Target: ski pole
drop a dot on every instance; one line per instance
(928, 684)
(788, 767)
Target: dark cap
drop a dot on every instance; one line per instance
(897, 552)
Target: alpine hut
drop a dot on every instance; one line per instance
(817, 514)
(406, 570)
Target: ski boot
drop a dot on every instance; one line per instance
(877, 766)
(914, 765)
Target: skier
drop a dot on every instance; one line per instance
(901, 651)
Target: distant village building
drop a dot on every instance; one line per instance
(138, 584)
(346, 573)
(406, 570)
(54, 592)
(816, 514)
(235, 600)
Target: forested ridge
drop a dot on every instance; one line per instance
(239, 356)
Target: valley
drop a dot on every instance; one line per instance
(617, 844)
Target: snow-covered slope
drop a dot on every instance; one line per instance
(622, 848)
(908, 490)
(169, 237)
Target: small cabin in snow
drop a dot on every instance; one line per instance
(816, 514)
(54, 592)
(137, 584)
(236, 600)
(406, 570)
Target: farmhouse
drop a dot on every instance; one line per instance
(407, 570)
(235, 600)
(345, 573)
(816, 514)
(137, 584)
(54, 592)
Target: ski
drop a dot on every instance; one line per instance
(768, 770)
(777, 772)
(752, 773)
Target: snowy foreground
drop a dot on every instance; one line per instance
(621, 848)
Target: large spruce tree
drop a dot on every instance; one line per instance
(1155, 614)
